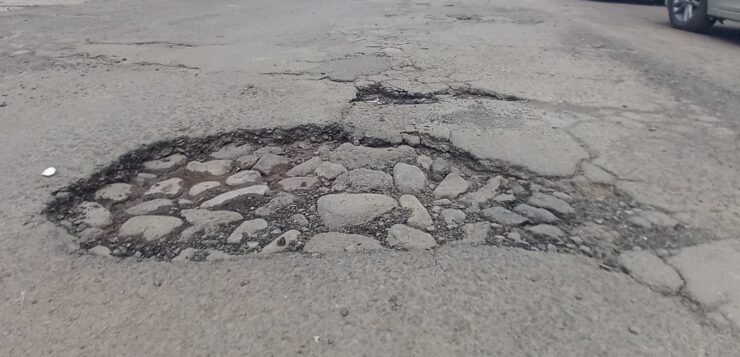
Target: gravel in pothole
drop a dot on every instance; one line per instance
(220, 197)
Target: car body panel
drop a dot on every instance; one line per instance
(724, 9)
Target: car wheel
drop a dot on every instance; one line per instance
(690, 15)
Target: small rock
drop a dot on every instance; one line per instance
(117, 192)
(246, 177)
(203, 187)
(149, 227)
(253, 244)
(344, 311)
(404, 237)
(634, 330)
(485, 193)
(424, 161)
(348, 210)
(278, 203)
(419, 217)
(232, 151)
(170, 188)
(305, 168)
(440, 168)
(504, 198)
(585, 249)
(100, 250)
(453, 216)
(546, 231)
(340, 242)
(298, 220)
(661, 252)
(329, 171)
(518, 190)
(659, 219)
(476, 233)
(213, 167)
(202, 217)
(452, 186)
(91, 234)
(246, 162)
(224, 198)
(355, 157)
(184, 255)
(248, 229)
(551, 203)
(144, 179)
(298, 183)
(503, 216)
(563, 196)
(92, 214)
(363, 180)
(650, 270)
(536, 215)
(409, 178)
(640, 222)
(576, 240)
(282, 242)
(411, 139)
(270, 164)
(165, 164)
(49, 171)
(153, 207)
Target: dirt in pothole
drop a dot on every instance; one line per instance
(601, 224)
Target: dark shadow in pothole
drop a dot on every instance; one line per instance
(597, 227)
(384, 93)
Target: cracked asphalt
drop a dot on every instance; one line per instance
(602, 83)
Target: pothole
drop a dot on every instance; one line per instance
(317, 189)
(384, 93)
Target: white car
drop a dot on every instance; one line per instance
(700, 15)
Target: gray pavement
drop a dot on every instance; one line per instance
(604, 83)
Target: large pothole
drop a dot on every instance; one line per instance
(316, 189)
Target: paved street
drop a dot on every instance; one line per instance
(602, 99)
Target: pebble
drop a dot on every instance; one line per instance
(305, 168)
(91, 234)
(405, 237)
(281, 201)
(299, 183)
(585, 249)
(453, 217)
(452, 186)
(546, 231)
(203, 187)
(213, 167)
(576, 239)
(184, 255)
(149, 227)
(100, 250)
(344, 311)
(93, 214)
(348, 210)
(156, 206)
(536, 215)
(440, 168)
(281, 243)
(363, 180)
(329, 170)
(409, 178)
(247, 161)
(419, 217)
(170, 188)
(246, 177)
(270, 164)
(249, 229)
(552, 203)
(488, 192)
(166, 164)
(412, 140)
(116, 192)
(424, 161)
(203, 217)
(144, 179)
(299, 220)
(341, 242)
(224, 198)
(504, 198)
(49, 172)
(503, 216)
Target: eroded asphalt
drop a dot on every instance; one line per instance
(604, 84)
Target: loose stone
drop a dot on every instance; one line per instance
(551, 203)
(419, 217)
(298, 183)
(340, 242)
(144, 179)
(452, 186)
(424, 161)
(203, 187)
(409, 178)
(405, 237)
(224, 198)
(453, 217)
(213, 167)
(90, 234)
(247, 161)
(149, 227)
(165, 164)
(546, 231)
(329, 171)
(412, 140)
(248, 229)
(282, 242)
(348, 210)
(305, 168)
(270, 164)
(485, 193)
(363, 180)
(246, 177)
(232, 151)
(504, 198)
(278, 203)
(355, 157)
(202, 217)
(92, 214)
(440, 168)
(659, 219)
(503, 216)
(170, 188)
(184, 255)
(536, 215)
(117, 192)
(153, 207)
(100, 250)
(299, 220)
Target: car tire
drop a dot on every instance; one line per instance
(699, 21)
